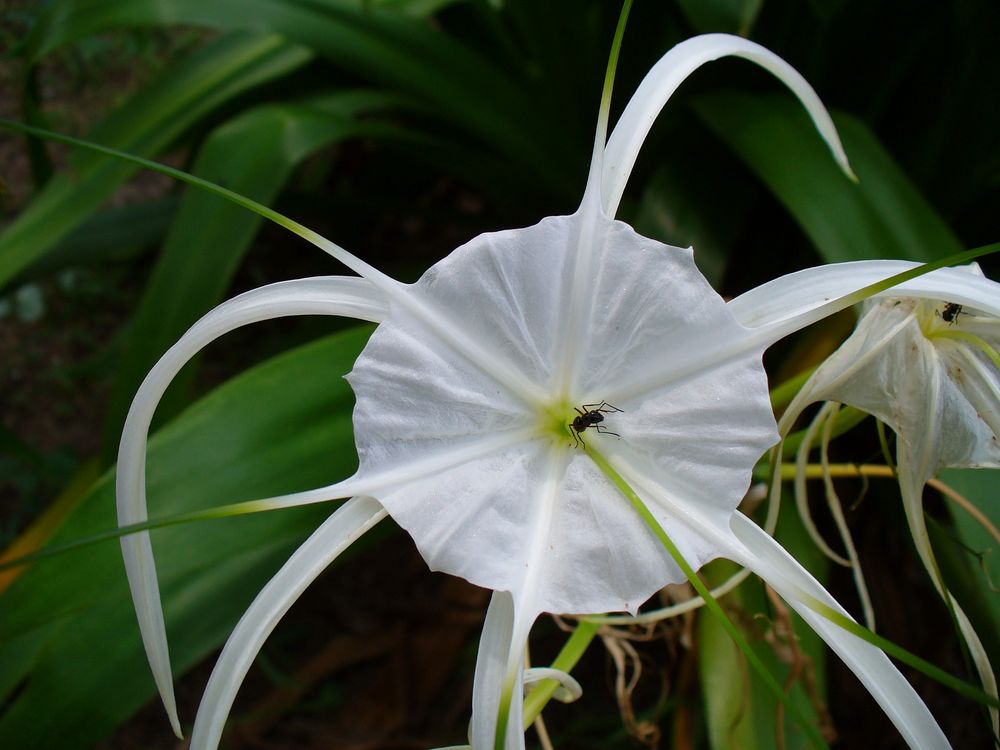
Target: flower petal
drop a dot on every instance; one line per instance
(980, 385)
(569, 689)
(931, 381)
(498, 685)
(886, 684)
(335, 535)
(664, 78)
(741, 540)
(491, 666)
(705, 415)
(913, 476)
(916, 385)
(318, 296)
(788, 303)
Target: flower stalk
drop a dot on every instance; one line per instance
(709, 600)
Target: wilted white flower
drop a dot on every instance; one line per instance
(928, 366)
(468, 396)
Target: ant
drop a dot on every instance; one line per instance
(951, 312)
(591, 415)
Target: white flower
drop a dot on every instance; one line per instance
(466, 395)
(928, 366)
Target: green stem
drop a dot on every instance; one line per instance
(221, 511)
(355, 264)
(609, 73)
(842, 303)
(713, 606)
(950, 681)
(571, 652)
(177, 174)
(499, 739)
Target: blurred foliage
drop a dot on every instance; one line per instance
(399, 129)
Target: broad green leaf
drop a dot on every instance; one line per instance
(739, 712)
(149, 122)
(115, 234)
(68, 637)
(972, 555)
(882, 216)
(381, 45)
(732, 16)
(253, 154)
(679, 208)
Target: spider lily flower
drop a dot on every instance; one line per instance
(925, 360)
(467, 394)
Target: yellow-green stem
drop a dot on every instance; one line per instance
(860, 295)
(713, 606)
(503, 715)
(959, 686)
(221, 511)
(571, 652)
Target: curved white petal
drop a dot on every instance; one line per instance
(324, 545)
(801, 489)
(491, 662)
(913, 476)
(569, 689)
(492, 675)
(664, 78)
(788, 303)
(474, 449)
(981, 386)
(500, 673)
(332, 295)
(886, 684)
(742, 541)
(922, 376)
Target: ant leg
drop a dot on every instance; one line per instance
(606, 431)
(577, 437)
(603, 407)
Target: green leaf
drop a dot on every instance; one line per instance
(68, 636)
(253, 154)
(971, 562)
(882, 216)
(739, 711)
(381, 45)
(115, 234)
(680, 208)
(149, 122)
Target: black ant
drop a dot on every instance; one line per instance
(591, 415)
(951, 312)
